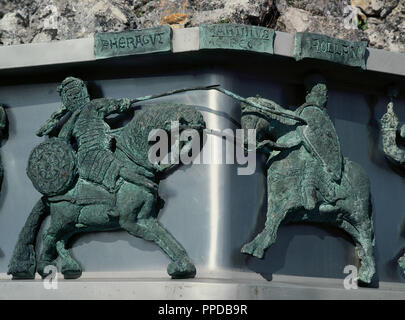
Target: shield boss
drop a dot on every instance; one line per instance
(52, 167)
(321, 138)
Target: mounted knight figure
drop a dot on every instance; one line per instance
(95, 160)
(307, 177)
(97, 188)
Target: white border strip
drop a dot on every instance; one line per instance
(46, 53)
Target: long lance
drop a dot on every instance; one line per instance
(169, 93)
(53, 121)
(55, 117)
(261, 107)
(228, 93)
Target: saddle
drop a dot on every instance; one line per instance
(86, 193)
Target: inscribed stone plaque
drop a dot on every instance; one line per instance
(312, 45)
(111, 44)
(236, 37)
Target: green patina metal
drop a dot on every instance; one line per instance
(99, 188)
(389, 127)
(52, 167)
(316, 46)
(396, 155)
(236, 37)
(142, 41)
(307, 177)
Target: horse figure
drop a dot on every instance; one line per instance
(88, 207)
(308, 180)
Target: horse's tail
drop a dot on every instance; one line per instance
(359, 183)
(23, 262)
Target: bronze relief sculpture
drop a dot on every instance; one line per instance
(308, 179)
(96, 188)
(88, 185)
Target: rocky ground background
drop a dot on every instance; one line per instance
(382, 22)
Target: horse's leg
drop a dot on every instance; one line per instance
(150, 229)
(48, 253)
(70, 268)
(366, 254)
(138, 218)
(275, 215)
(63, 217)
(364, 249)
(93, 216)
(359, 225)
(356, 208)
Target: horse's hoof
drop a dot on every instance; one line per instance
(247, 248)
(365, 278)
(71, 270)
(24, 270)
(181, 269)
(366, 275)
(72, 273)
(22, 275)
(253, 249)
(45, 268)
(23, 263)
(258, 253)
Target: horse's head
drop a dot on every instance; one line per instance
(269, 124)
(253, 118)
(187, 117)
(134, 138)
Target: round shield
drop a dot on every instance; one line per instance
(321, 139)
(52, 167)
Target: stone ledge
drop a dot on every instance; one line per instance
(184, 40)
(201, 288)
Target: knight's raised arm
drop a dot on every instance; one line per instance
(109, 106)
(52, 122)
(389, 126)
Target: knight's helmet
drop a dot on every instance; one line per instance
(317, 94)
(73, 93)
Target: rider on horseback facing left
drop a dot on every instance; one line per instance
(317, 97)
(95, 159)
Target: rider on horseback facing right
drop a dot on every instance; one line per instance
(96, 162)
